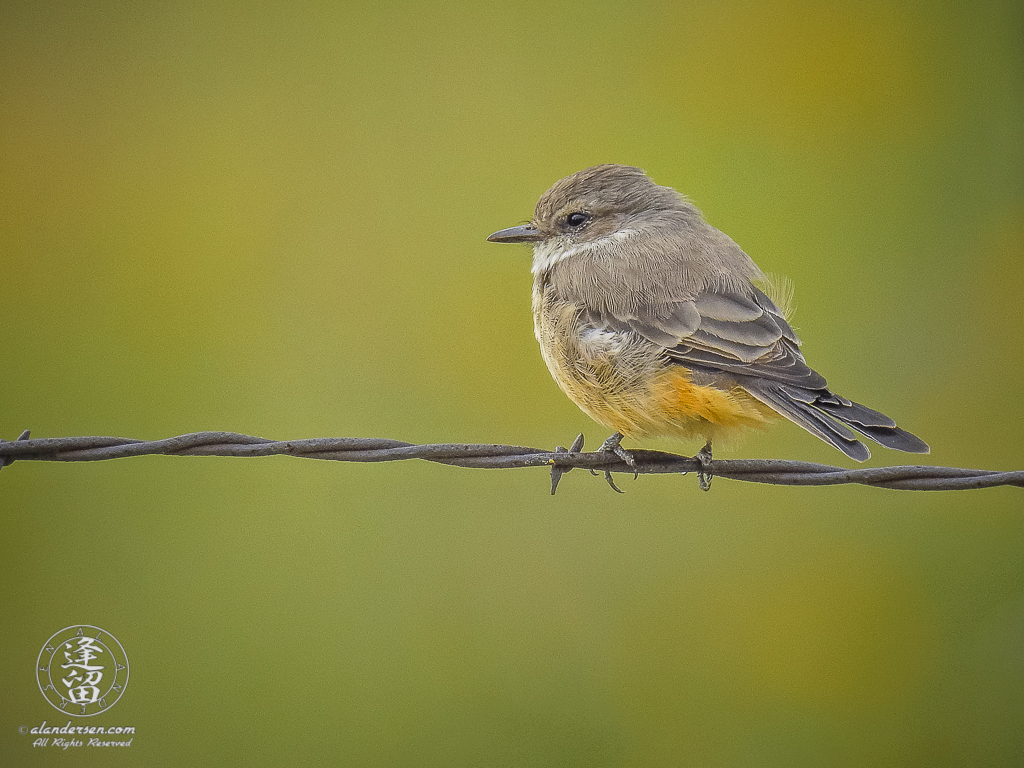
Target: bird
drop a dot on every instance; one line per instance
(657, 324)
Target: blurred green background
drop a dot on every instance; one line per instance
(270, 218)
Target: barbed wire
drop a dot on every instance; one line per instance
(485, 456)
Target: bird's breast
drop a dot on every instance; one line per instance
(625, 382)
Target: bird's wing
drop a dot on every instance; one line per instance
(741, 334)
(747, 337)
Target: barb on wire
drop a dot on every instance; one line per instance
(560, 461)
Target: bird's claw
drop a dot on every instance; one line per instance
(704, 474)
(613, 445)
(608, 477)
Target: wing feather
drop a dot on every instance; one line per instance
(720, 325)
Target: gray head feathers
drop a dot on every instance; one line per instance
(606, 190)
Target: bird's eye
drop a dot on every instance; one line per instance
(577, 219)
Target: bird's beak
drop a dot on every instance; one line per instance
(521, 234)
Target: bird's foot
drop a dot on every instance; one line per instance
(704, 474)
(612, 445)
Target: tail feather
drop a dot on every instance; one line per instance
(843, 409)
(893, 437)
(814, 410)
(873, 425)
(813, 421)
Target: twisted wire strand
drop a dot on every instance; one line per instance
(485, 456)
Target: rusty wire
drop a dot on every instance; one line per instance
(560, 461)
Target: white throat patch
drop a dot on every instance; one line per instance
(548, 253)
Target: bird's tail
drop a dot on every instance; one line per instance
(832, 418)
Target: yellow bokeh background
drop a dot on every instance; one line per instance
(271, 219)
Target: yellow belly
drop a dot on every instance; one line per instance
(669, 404)
(626, 384)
